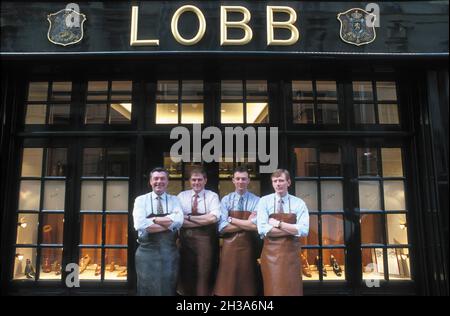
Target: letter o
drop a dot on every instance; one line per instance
(201, 30)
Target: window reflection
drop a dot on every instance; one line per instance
(232, 113)
(306, 162)
(397, 229)
(367, 162)
(372, 263)
(30, 195)
(372, 229)
(307, 191)
(394, 195)
(388, 114)
(398, 263)
(362, 90)
(392, 162)
(50, 265)
(332, 230)
(369, 196)
(386, 91)
(52, 228)
(32, 162)
(37, 91)
(27, 228)
(35, 114)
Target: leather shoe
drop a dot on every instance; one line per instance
(305, 266)
(336, 267)
(324, 271)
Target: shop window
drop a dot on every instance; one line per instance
(108, 102)
(48, 103)
(244, 102)
(178, 174)
(375, 103)
(319, 183)
(104, 213)
(383, 219)
(179, 102)
(315, 102)
(40, 216)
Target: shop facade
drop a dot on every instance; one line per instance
(90, 97)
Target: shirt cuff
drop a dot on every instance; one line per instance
(222, 225)
(267, 231)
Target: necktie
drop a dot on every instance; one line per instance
(280, 206)
(195, 205)
(241, 204)
(159, 208)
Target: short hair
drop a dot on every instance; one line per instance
(240, 169)
(198, 170)
(277, 173)
(159, 169)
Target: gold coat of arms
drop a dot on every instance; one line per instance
(66, 27)
(357, 26)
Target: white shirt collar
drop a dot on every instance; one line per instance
(200, 194)
(163, 196)
(284, 198)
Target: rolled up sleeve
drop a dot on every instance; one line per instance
(215, 206)
(303, 221)
(176, 215)
(262, 219)
(223, 222)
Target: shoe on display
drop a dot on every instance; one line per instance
(305, 267)
(84, 261)
(112, 266)
(324, 271)
(29, 272)
(98, 270)
(122, 273)
(336, 267)
(46, 267)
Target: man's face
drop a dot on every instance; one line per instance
(281, 184)
(159, 182)
(198, 182)
(241, 181)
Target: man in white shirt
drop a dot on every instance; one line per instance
(157, 217)
(238, 273)
(199, 243)
(281, 219)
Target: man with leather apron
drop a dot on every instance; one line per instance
(238, 274)
(281, 219)
(157, 217)
(199, 243)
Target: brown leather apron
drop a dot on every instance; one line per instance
(279, 262)
(199, 249)
(237, 275)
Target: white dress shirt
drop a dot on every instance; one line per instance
(269, 204)
(230, 202)
(147, 204)
(207, 202)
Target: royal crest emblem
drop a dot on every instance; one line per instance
(357, 26)
(66, 27)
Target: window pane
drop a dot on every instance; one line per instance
(330, 161)
(327, 114)
(256, 90)
(192, 90)
(255, 187)
(121, 90)
(90, 264)
(307, 191)
(30, 195)
(98, 90)
(310, 270)
(362, 90)
(54, 194)
(313, 236)
(120, 113)
(32, 162)
(392, 162)
(334, 261)
(56, 162)
(331, 194)
(25, 264)
(91, 196)
(167, 90)
(388, 114)
(326, 90)
(332, 230)
(37, 91)
(303, 113)
(61, 91)
(257, 113)
(52, 228)
(51, 259)
(35, 114)
(397, 229)
(232, 90)
(386, 91)
(167, 113)
(91, 229)
(192, 113)
(59, 114)
(367, 162)
(27, 226)
(225, 187)
(174, 187)
(364, 114)
(302, 90)
(372, 229)
(369, 195)
(93, 162)
(232, 113)
(95, 114)
(306, 162)
(398, 263)
(117, 196)
(116, 230)
(372, 263)
(116, 264)
(118, 162)
(394, 195)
